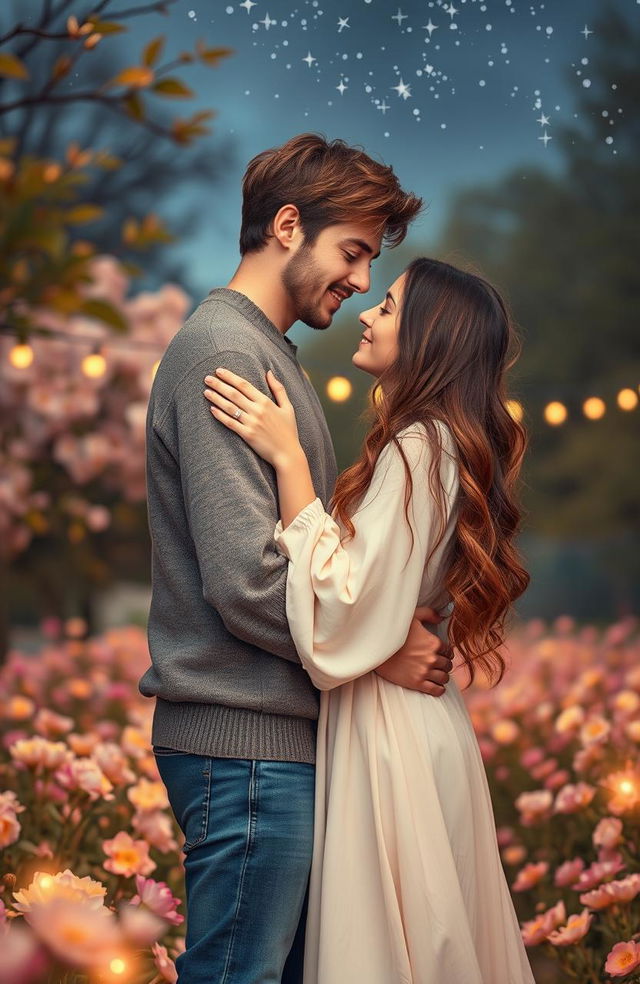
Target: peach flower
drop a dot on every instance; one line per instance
(534, 806)
(50, 724)
(85, 774)
(39, 753)
(113, 763)
(127, 856)
(77, 934)
(158, 897)
(595, 729)
(530, 875)
(567, 873)
(570, 719)
(575, 929)
(623, 958)
(536, 930)
(625, 786)
(573, 798)
(147, 796)
(598, 872)
(505, 731)
(608, 833)
(64, 885)
(157, 829)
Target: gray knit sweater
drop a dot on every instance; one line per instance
(225, 672)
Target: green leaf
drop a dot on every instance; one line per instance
(153, 51)
(83, 213)
(173, 88)
(11, 67)
(103, 311)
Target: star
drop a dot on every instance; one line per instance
(544, 120)
(451, 10)
(342, 23)
(402, 90)
(545, 139)
(342, 87)
(247, 4)
(383, 106)
(309, 59)
(586, 32)
(428, 69)
(267, 22)
(430, 27)
(399, 17)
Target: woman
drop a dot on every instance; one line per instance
(406, 883)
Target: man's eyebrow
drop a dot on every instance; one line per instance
(363, 245)
(391, 298)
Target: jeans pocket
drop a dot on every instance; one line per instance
(188, 782)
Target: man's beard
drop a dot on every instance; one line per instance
(303, 281)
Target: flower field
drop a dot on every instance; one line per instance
(91, 869)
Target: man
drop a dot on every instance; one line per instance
(234, 725)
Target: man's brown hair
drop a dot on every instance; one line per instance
(328, 182)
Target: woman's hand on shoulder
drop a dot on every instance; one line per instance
(267, 427)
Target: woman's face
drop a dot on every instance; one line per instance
(379, 344)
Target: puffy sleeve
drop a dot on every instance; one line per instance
(350, 605)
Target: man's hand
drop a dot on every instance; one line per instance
(424, 662)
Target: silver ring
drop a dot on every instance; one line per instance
(237, 414)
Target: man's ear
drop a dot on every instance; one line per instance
(286, 226)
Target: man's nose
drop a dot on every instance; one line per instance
(360, 279)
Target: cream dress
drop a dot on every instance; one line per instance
(406, 883)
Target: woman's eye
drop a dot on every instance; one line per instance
(383, 310)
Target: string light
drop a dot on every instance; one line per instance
(117, 966)
(339, 389)
(627, 399)
(555, 413)
(94, 365)
(21, 356)
(594, 408)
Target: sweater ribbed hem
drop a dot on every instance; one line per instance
(233, 732)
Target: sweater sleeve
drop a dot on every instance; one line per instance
(230, 497)
(350, 605)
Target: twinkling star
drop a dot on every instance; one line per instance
(402, 89)
(544, 120)
(309, 59)
(430, 27)
(247, 4)
(451, 10)
(342, 87)
(383, 106)
(342, 23)
(545, 138)
(428, 69)
(586, 32)
(399, 17)
(267, 22)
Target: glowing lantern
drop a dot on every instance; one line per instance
(21, 356)
(594, 408)
(627, 399)
(555, 413)
(339, 389)
(94, 365)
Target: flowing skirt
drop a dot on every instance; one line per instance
(407, 886)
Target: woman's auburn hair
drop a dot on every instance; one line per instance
(328, 182)
(456, 342)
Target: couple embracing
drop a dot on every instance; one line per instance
(317, 757)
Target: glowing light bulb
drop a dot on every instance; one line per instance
(515, 409)
(339, 389)
(94, 365)
(626, 786)
(627, 399)
(594, 408)
(555, 413)
(117, 966)
(21, 356)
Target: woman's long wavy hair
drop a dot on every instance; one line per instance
(456, 342)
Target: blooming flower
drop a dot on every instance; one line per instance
(625, 786)
(598, 872)
(50, 724)
(595, 729)
(576, 927)
(570, 719)
(534, 806)
(530, 875)
(158, 897)
(146, 796)
(573, 798)
(505, 731)
(40, 753)
(156, 828)
(608, 833)
(127, 856)
(85, 774)
(9, 823)
(567, 873)
(623, 958)
(76, 933)
(113, 763)
(62, 886)
(536, 930)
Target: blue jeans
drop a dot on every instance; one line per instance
(248, 828)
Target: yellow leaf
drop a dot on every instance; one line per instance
(153, 51)
(173, 88)
(11, 67)
(83, 213)
(136, 77)
(211, 56)
(106, 27)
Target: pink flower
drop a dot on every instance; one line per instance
(596, 729)
(556, 779)
(567, 873)
(157, 829)
(23, 959)
(38, 753)
(534, 806)
(50, 724)
(141, 926)
(608, 833)
(598, 872)
(85, 774)
(148, 796)
(127, 856)
(530, 875)
(46, 889)
(531, 757)
(573, 798)
(113, 763)
(622, 959)
(77, 934)
(536, 930)
(625, 786)
(164, 964)
(158, 897)
(576, 928)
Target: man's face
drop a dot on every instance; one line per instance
(320, 277)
